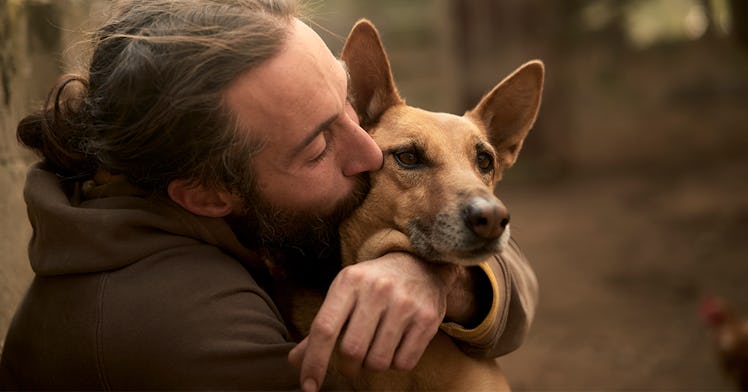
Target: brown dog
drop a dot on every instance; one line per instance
(433, 197)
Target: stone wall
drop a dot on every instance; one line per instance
(39, 40)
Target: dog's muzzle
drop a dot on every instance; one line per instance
(462, 236)
(487, 219)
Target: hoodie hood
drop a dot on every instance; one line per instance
(116, 226)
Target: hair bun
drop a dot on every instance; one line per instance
(56, 131)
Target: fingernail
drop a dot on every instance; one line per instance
(309, 385)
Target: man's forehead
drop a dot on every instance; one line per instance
(349, 88)
(288, 98)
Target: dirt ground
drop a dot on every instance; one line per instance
(623, 261)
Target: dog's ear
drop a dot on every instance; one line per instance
(371, 82)
(510, 109)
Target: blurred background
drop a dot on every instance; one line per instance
(630, 196)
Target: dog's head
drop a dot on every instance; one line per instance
(437, 182)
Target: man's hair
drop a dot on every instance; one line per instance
(152, 104)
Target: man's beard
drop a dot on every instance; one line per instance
(300, 242)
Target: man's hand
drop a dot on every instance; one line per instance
(383, 312)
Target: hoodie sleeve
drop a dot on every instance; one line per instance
(515, 291)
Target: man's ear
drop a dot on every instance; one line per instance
(372, 84)
(201, 200)
(509, 110)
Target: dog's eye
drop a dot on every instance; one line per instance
(485, 162)
(407, 158)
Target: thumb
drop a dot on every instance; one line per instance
(296, 355)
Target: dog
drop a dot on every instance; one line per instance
(433, 197)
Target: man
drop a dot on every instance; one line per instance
(205, 133)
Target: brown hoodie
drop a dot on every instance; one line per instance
(133, 292)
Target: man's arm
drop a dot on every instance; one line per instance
(384, 312)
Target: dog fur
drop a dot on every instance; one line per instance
(434, 197)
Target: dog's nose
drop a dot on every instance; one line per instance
(486, 218)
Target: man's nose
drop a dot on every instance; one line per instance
(361, 153)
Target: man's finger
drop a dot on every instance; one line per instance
(413, 345)
(387, 339)
(322, 338)
(296, 355)
(359, 333)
